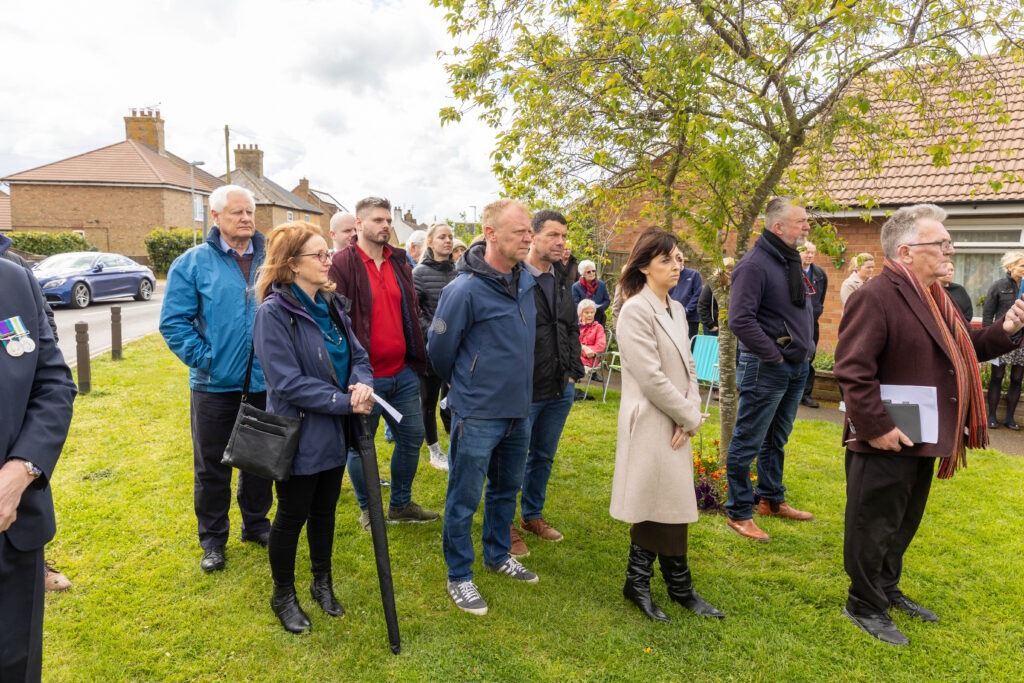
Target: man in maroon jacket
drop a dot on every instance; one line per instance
(902, 329)
(377, 278)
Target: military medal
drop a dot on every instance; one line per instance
(15, 337)
(28, 344)
(15, 348)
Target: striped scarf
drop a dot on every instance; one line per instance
(970, 399)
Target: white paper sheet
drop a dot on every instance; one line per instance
(925, 397)
(388, 408)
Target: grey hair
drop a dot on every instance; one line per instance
(219, 197)
(902, 227)
(1010, 258)
(416, 237)
(586, 262)
(583, 305)
(776, 209)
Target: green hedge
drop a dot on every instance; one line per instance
(50, 243)
(163, 246)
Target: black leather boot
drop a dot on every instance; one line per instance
(680, 587)
(286, 606)
(638, 583)
(322, 590)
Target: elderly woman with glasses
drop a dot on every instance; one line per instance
(313, 366)
(589, 287)
(1001, 296)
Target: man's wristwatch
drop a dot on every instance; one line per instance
(33, 471)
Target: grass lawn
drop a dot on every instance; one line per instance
(141, 610)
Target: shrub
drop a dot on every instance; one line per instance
(163, 246)
(824, 361)
(50, 243)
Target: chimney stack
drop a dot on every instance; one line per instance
(145, 126)
(249, 158)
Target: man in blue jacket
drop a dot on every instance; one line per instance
(482, 343)
(34, 419)
(687, 292)
(772, 316)
(207, 320)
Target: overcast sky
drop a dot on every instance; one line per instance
(345, 92)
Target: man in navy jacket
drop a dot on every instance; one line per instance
(482, 343)
(34, 419)
(771, 314)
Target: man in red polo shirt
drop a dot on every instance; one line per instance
(377, 278)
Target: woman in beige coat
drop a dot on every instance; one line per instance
(660, 410)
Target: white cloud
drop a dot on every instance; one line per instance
(345, 94)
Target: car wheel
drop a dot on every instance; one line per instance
(145, 291)
(80, 295)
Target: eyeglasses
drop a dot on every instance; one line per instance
(944, 245)
(322, 255)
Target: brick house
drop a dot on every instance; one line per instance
(5, 211)
(321, 199)
(114, 195)
(274, 204)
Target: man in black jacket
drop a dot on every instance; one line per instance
(818, 282)
(34, 419)
(556, 368)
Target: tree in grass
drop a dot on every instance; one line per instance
(698, 110)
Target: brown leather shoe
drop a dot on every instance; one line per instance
(519, 548)
(54, 580)
(764, 508)
(540, 527)
(747, 529)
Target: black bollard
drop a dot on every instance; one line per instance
(82, 346)
(115, 333)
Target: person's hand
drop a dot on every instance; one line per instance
(14, 479)
(679, 437)
(703, 419)
(1014, 319)
(361, 398)
(893, 440)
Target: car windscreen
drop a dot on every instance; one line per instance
(65, 262)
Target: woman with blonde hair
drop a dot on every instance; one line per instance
(660, 410)
(1001, 296)
(314, 368)
(862, 267)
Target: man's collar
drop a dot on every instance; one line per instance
(536, 271)
(386, 253)
(227, 248)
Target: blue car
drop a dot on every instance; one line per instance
(78, 278)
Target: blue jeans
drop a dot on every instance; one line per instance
(491, 450)
(547, 418)
(769, 397)
(403, 392)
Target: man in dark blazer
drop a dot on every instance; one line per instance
(34, 419)
(819, 287)
(902, 329)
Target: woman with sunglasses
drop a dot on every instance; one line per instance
(589, 287)
(313, 365)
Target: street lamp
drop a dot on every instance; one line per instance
(192, 193)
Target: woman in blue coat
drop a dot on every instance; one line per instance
(313, 364)
(589, 287)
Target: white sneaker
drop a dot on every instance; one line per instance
(438, 458)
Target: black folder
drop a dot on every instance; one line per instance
(907, 417)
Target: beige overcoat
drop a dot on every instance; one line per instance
(652, 482)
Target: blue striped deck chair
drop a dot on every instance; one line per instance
(705, 357)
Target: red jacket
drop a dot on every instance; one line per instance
(349, 273)
(592, 335)
(888, 336)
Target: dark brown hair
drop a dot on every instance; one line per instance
(651, 243)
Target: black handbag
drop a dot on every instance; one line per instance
(262, 443)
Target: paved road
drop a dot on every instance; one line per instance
(138, 318)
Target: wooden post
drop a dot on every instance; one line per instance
(82, 345)
(115, 333)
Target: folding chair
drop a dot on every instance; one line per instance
(612, 364)
(705, 357)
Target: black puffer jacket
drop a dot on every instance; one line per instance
(430, 277)
(1000, 297)
(557, 347)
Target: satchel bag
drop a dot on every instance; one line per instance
(262, 443)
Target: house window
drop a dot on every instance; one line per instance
(980, 244)
(306, 218)
(290, 216)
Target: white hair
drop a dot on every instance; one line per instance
(583, 305)
(587, 262)
(219, 197)
(418, 237)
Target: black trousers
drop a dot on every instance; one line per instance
(665, 539)
(21, 613)
(213, 416)
(885, 500)
(809, 386)
(432, 386)
(309, 500)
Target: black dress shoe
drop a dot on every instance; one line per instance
(879, 626)
(262, 539)
(213, 559)
(809, 402)
(1013, 425)
(992, 424)
(905, 604)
